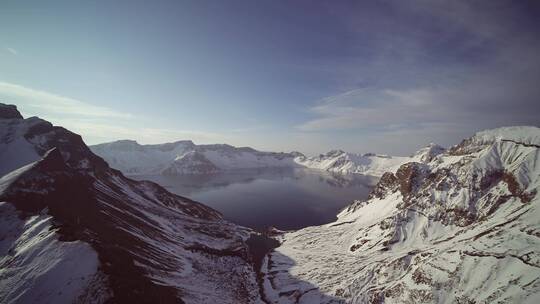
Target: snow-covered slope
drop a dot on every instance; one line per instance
(73, 229)
(184, 157)
(369, 164)
(37, 267)
(461, 228)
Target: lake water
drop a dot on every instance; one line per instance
(282, 198)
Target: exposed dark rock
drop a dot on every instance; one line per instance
(77, 155)
(9, 112)
(409, 176)
(387, 184)
(259, 246)
(358, 246)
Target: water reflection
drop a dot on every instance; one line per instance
(283, 198)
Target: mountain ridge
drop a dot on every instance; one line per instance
(174, 158)
(185, 157)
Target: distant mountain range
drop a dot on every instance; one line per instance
(454, 226)
(369, 164)
(185, 157)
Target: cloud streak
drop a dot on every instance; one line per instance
(99, 131)
(37, 101)
(12, 51)
(96, 124)
(458, 68)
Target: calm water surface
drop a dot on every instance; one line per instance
(282, 198)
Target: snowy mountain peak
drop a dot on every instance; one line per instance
(9, 112)
(333, 153)
(521, 134)
(127, 145)
(185, 157)
(190, 162)
(342, 162)
(427, 153)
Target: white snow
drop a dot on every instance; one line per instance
(368, 164)
(36, 267)
(524, 134)
(15, 150)
(184, 157)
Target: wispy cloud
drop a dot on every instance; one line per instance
(12, 51)
(372, 109)
(100, 131)
(460, 67)
(413, 117)
(41, 102)
(96, 124)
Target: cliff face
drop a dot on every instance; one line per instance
(463, 227)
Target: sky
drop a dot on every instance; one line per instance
(311, 76)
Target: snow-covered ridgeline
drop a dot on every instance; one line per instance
(461, 228)
(184, 157)
(338, 161)
(36, 267)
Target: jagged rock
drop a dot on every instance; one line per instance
(388, 183)
(9, 112)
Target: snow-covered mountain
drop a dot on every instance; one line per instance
(74, 230)
(464, 227)
(338, 161)
(455, 226)
(184, 157)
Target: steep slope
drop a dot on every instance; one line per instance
(462, 228)
(338, 161)
(63, 272)
(75, 229)
(184, 157)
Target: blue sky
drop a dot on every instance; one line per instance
(363, 76)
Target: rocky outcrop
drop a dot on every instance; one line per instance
(9, 112)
